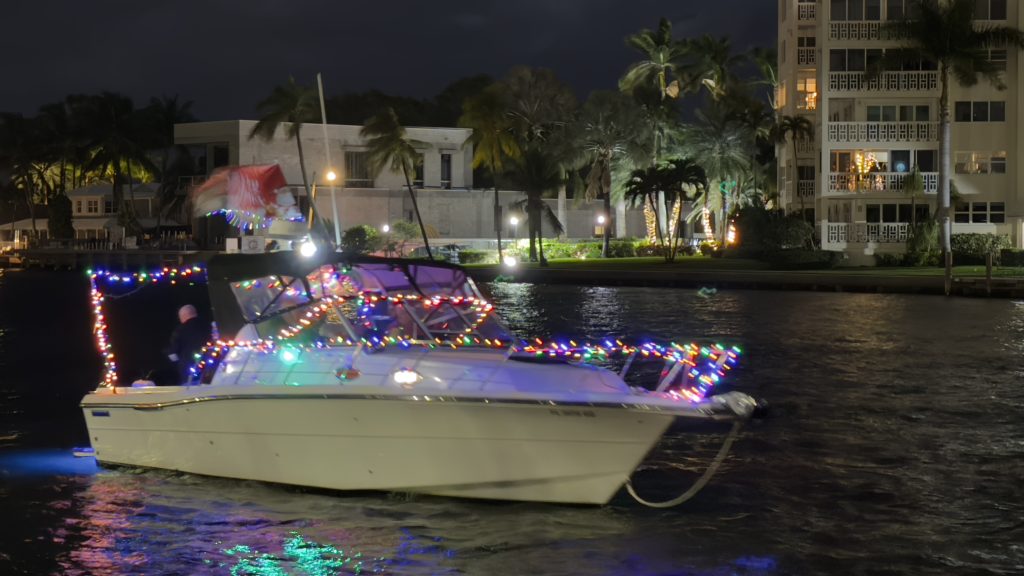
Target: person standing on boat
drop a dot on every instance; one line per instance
(187, 340)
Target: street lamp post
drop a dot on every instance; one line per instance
(514, 221)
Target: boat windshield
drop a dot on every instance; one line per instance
(338, 302)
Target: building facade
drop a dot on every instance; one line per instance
(447, 200)
(871, 132)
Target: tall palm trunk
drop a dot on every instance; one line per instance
(606, 228)
(416, 209)
(540, 236)
(497, 210)
(944, 176)
(30, 201)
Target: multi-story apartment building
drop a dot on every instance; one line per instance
(870, 132)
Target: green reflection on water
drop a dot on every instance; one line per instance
(305, 556)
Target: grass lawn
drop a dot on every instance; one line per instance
(644, 263)
(683, 263)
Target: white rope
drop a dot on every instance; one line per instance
(699, 484)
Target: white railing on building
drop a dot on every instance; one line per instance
(805, 147)
(885, 81)
(807, 56)
(878, 182)
(860, 31)
(806, 12)
(805, 188)
(883, 131)
(836, 234)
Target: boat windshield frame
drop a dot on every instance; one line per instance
(419, 299)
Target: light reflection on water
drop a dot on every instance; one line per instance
(895, 447)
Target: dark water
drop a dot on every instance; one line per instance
(896, 446)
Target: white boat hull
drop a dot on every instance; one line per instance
(464, 447)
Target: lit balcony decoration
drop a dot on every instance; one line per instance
(811, 101)
(861, 167)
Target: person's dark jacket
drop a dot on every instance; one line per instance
(186, 341)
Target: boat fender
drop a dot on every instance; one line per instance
(346, 374)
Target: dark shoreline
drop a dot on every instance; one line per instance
(755, 279)
(810, 280)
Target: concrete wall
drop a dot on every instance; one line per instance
(459, 213)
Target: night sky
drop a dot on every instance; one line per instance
(227, 55)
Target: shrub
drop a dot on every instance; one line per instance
(923, 245)
(890, 260)
(789, 232)
(1011, 257)
(478, 256)
(972, 248)
(803, 259)
(706, 248)
(654, 249)
(361, 240)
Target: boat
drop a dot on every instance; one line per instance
(397, 375)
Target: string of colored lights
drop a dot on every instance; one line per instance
(97, 297)
(691, 371)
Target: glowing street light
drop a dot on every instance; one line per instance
(513, 221)
(332, 175)
(510, 261)
(385, 228)
(307, 249)
(601, 219)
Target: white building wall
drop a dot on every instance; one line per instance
(459, 212)
(836, 205)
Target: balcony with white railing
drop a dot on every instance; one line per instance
(806, 12)
(903, 81)
(805, 189)
(839, 235)
(864, 30)
(883, 131)
(845, 183)
(854, 30)
(806, 56)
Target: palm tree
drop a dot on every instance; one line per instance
(537, 173)
(62, 142)
(722, 149)
(608, 135)
(662, 66)
(292, 104)
(160, 117)
(945, 33)
(711, 64)
(493, 140)
(19, 146)
(676, 179)
(656, 81)
(767, 62)
(913, 186)
(796, 129)
(113, 122)
(388, 145)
